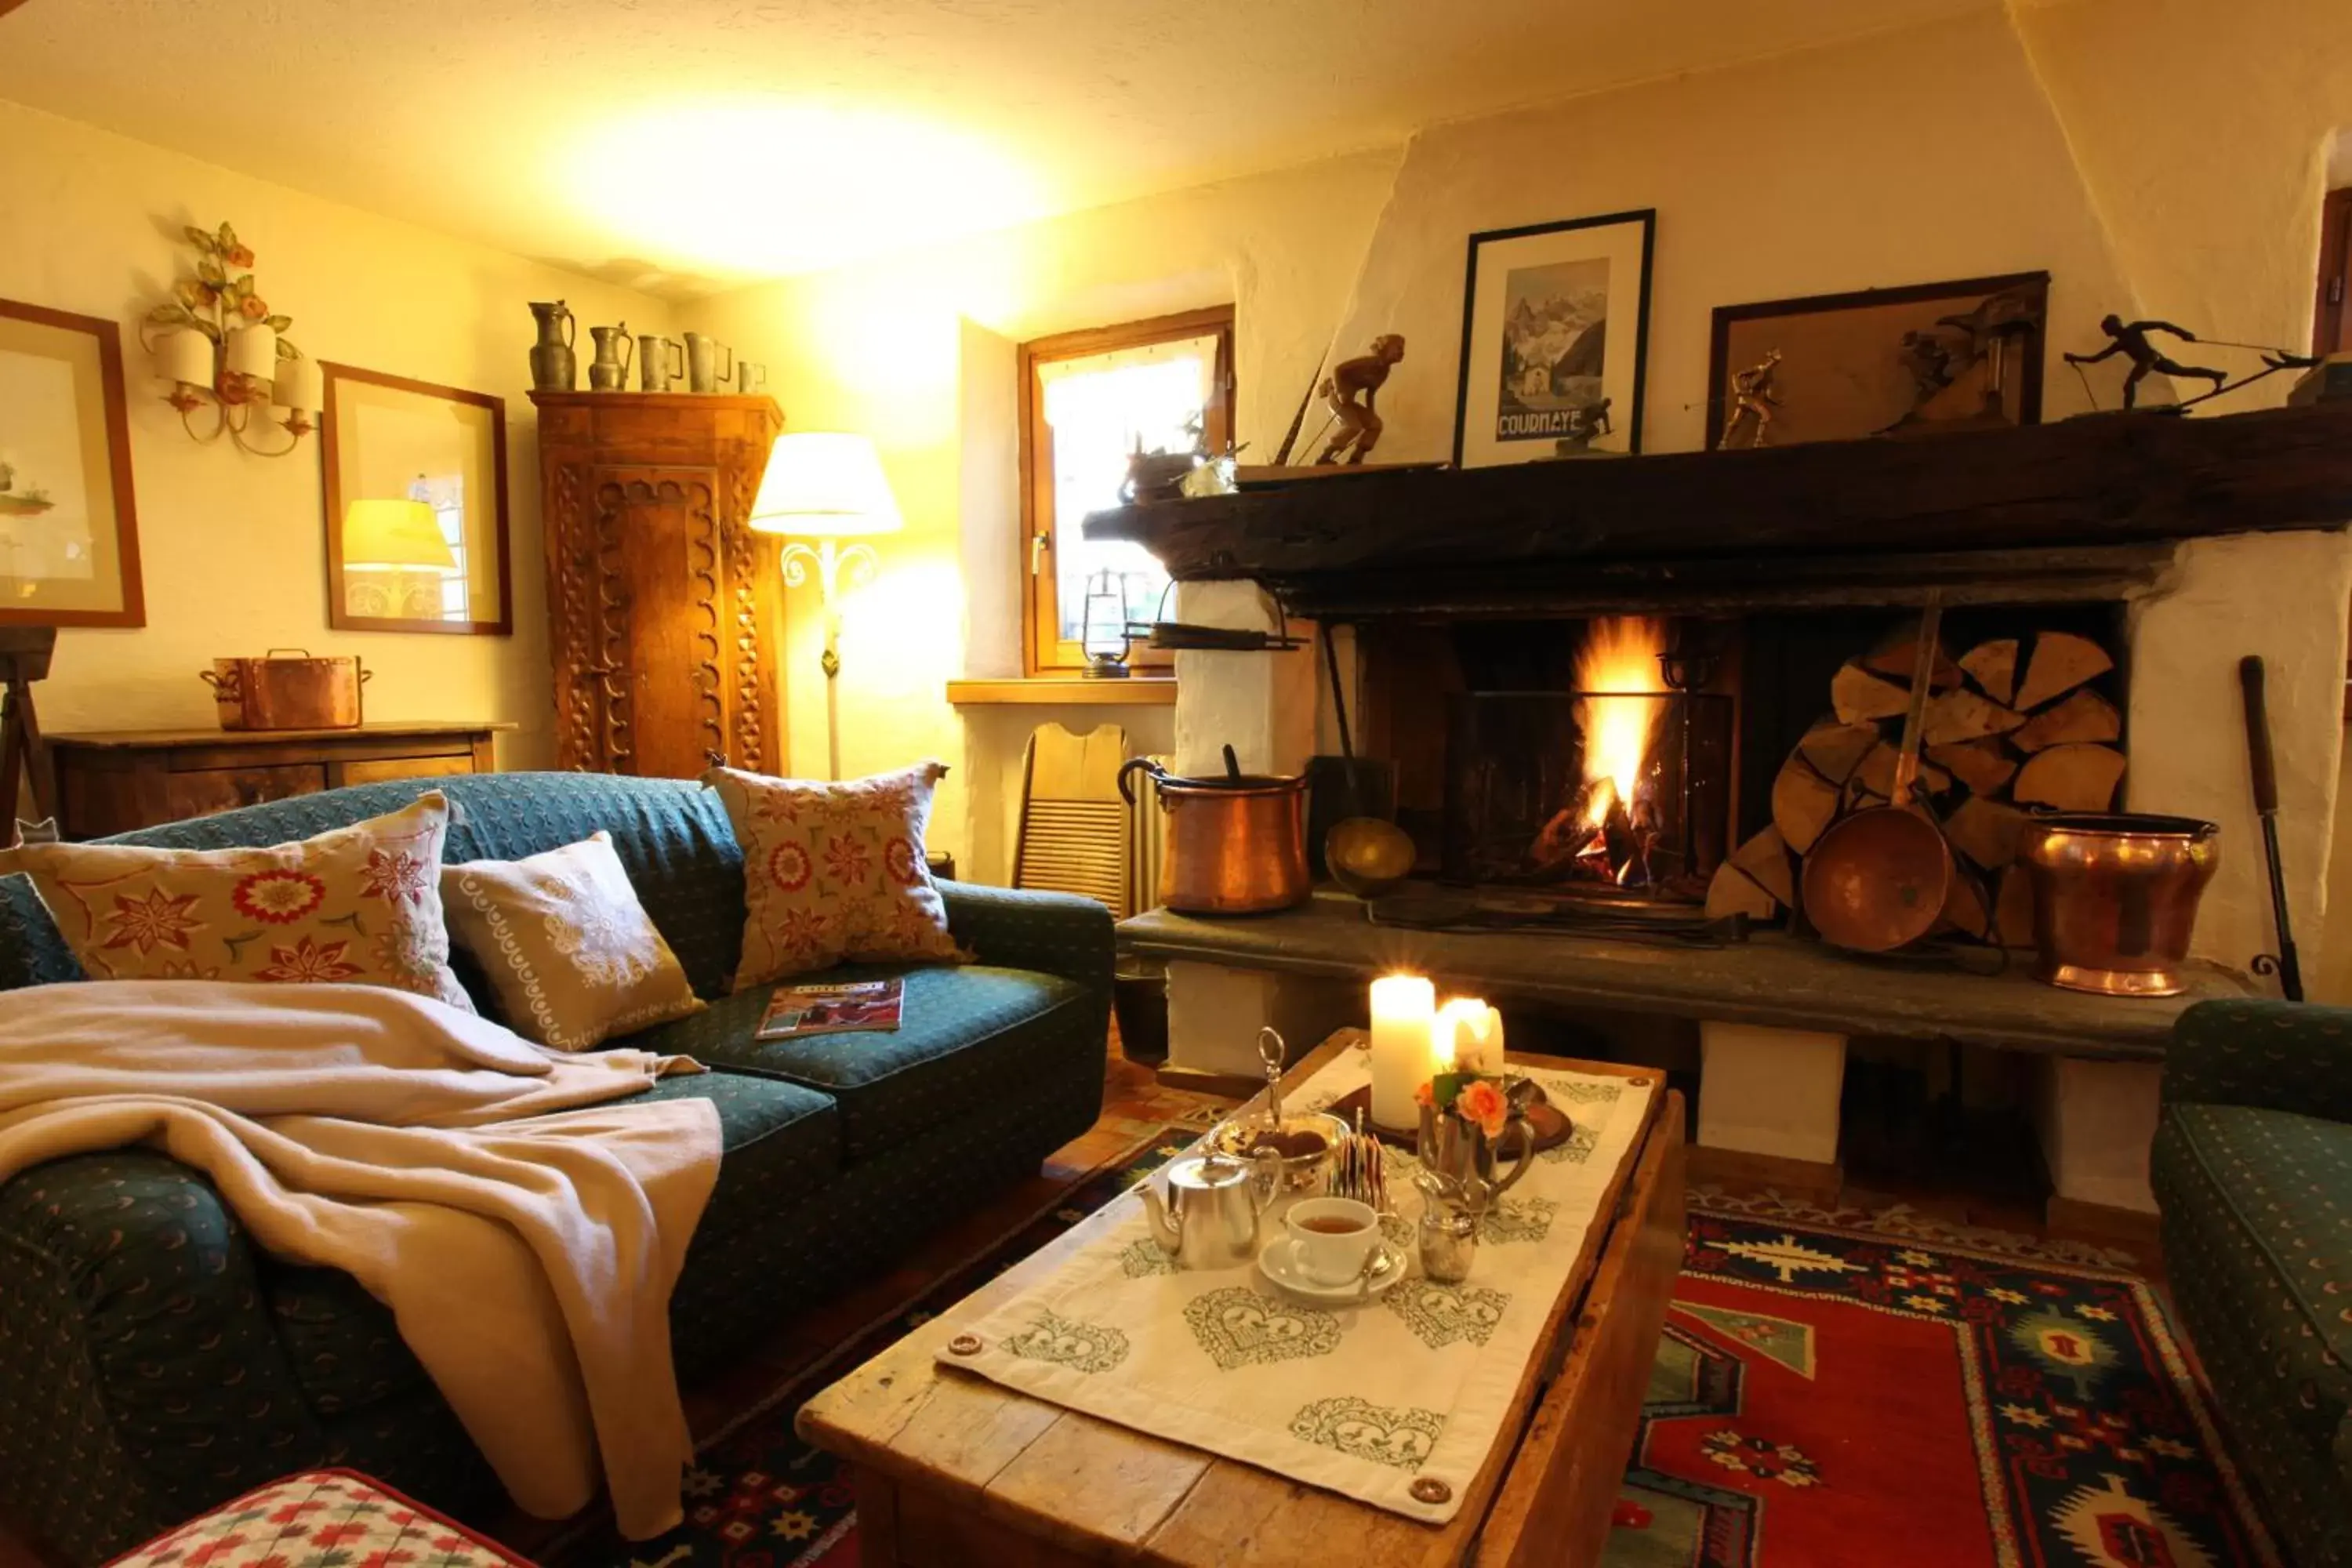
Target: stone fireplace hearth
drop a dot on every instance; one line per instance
(2195, 542)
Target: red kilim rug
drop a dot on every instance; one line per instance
(1825, 1397)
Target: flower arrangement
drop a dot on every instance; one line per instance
(207, 301)
(1473, 1096)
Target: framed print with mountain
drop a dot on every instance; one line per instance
(68, 529)
(1554, 328)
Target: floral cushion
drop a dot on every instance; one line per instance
(834, 871)
(360, 905)
(569, 951)
(317, 1520)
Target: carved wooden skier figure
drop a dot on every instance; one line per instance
(1360, 423)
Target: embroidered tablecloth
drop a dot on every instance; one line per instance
(1366, 1399)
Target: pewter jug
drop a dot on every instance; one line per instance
(655, 356)
(609, 371)
(702, 370)
(554, 366)
(1211, 1217)
(1458, 1160)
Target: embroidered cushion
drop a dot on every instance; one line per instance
(332, 1516)
(834, 871)
(360, 905)
(569, 951)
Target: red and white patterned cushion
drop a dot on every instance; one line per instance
(322, 1518)
(835, 872)
(361, 905)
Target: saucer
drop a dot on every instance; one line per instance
(1276, 1262)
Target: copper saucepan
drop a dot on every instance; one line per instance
(1236, 845)
(1878, 879)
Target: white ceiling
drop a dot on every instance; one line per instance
(680, 144)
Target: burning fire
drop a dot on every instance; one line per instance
(1620, 655)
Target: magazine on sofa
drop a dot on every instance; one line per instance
(845, 1008)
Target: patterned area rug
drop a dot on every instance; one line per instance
(1824, 1396)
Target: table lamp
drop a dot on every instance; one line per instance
(827, 487)
(396, 536)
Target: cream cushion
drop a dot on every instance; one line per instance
(570, 952)
(358, 905)
(835, 872)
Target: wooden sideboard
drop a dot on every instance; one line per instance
(664, 606)
(113, 781)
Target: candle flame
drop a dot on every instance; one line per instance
(1619, 666)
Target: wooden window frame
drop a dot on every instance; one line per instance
(1043, 650)
(2331, 317)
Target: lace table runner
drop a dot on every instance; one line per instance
(1395, 1403)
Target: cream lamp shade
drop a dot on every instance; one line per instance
(824, 485)
(395, 534)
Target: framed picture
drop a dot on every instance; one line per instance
(1883, 361)
(68, 529)
(1555, 330)
(416, 506)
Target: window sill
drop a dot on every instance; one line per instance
(1066, 691)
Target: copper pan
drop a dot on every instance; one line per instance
(1878, 879)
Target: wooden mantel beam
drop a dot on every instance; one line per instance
(2103, 479)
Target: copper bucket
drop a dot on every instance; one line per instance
(2115, 898)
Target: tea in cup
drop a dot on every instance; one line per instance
(1331, 1238)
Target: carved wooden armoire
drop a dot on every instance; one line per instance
(665, 609)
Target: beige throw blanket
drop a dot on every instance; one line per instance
(524, 1233)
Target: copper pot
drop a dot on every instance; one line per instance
(1236, 845)
(2115, 898)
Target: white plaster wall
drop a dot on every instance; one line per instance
(233, 547)
(2282, 595)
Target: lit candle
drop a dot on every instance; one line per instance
(1404, 1008)
(1472, 1033)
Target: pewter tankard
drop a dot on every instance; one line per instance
(703, 372)
(655, 356)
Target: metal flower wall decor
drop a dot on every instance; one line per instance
(217, 341)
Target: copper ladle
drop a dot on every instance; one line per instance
(1878, 879)
(1364, 853)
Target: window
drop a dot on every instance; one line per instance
(2331, 321)
(1088, 400)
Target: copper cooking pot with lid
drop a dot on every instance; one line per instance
(1236, 845)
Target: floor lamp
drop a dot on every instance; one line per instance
(828, 488)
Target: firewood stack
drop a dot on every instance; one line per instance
(2012, 725)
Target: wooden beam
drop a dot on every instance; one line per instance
(2099, 481)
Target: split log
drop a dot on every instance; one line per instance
(2084, 717)
(2061, 662)
(1876, 772)
(1984, 765)
(2013, 908)
(1834, 749)
(1985, 831)
(1734, 892)
(2072, 778)
(1764, 858)
(1994, 666)
(1803, 804)
(1897, 658)
(1959, 716)
(1859, 695)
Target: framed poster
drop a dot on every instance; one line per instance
(1555, 328)
(68, 528)
(1881, 362)
(416, 506)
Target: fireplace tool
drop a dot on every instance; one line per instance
(2258, 747)
(1364, 853)
(1877, 880)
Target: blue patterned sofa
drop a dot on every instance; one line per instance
(154, 1363)
(2253, 1169)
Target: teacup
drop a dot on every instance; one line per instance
(1331, 1238)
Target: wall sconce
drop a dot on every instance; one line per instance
(217, 343)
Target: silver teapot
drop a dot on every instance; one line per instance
(1214, 1202)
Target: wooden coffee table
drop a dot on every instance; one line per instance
(953, 1470)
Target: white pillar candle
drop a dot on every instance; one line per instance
(184, 356)
(253, 351)
(1405, 1007)
(1475, 1032)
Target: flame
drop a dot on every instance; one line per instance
(1620, 655)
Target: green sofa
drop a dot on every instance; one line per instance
(153, 1362)
(2253, 1170)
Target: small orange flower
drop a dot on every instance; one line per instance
(1423, 1097)
(239, 255)
(1482, 1102)
(252, 307)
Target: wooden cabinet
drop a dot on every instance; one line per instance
(665, 609)
(113, 781)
